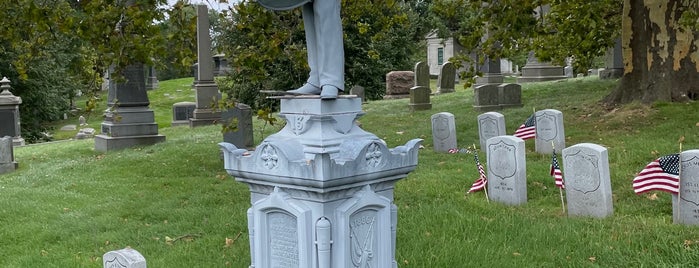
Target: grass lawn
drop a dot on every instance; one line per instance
(67, 204)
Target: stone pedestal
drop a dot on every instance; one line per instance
(9, 113)
(207, 97)
(322, 188)
(129, 122)
(536, 71)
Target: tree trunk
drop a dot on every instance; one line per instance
(661, 59)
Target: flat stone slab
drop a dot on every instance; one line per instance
(69, 127)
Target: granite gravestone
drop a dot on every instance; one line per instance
(205, 86)
(420, 93)
(490, 124)
(152, 78)
(358, 91)
(486, 97)
(123, 258)
(536, 71)
(587, 181)
(509, 95)
(549, 128)
(507, 170)
(9, 113)
(242, 135)
(7, 157)
(129, 121)
(443, 132)
(398, 84)
(446, 78)
(614, 62)
(686, 203)
(322, 188)
(182, 112)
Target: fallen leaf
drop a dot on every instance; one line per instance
(697, 124)
(229, 242)
(516, 254)
(401, 132)
(169, 240)
(654, 196)
(592, 258)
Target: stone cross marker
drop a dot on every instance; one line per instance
(6, 155)
(507, 170)
(443, 132)
(420, 93)
(490, 124)
(123, 258)
(686, 203)
(587, 180)
(447, 78)
(549, 127)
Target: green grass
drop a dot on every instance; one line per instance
(67, 204)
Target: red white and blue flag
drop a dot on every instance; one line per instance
(556, 171)
(482, 180)
(662, 174)
(528, 129)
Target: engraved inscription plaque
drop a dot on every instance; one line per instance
(283, 240)
(489, 128)
(546, 127)
(363, 238)
(690, 180)
(501, 157)
(584, 175)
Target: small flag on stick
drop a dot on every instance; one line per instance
(528, 129)
(662, 174)
(482, 180)
(556, 171)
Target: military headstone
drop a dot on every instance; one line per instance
(242, 135)
(398, 84)
(446, 78)
(7, 157)
(490, 124)
(443, 131)
(182, 112)
(686, 203)
(486, 97)
(123, 258)
(9, 113)
(549, 128)
(587, 180)
(507, 170)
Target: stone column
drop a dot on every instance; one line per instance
(322, 188)
(9, 113)
(128, 121)
(205, 86)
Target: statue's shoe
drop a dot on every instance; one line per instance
(329, 92)
(306, 89)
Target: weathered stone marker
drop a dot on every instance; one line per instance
(443, 132)
(507, 170)
(420, 93)
(587, 180)
(242, 135)
(490, 124)
(9, 113)
(446, 78)
(7, 156)
(123, 258)
(205, 86)
(322, 188)
(685, 205)
(549, 128)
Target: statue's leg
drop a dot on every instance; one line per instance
(312, 85)
(329, 46)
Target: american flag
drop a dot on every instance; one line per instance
(528, 129)
(482, 180)
(556, 171)
(662, 174)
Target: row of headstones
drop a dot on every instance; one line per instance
(548, 127)
(400, 83)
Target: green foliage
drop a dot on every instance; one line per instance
(180, 34)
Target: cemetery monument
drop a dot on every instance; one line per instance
(490, 124)
(507, 170)
(9, 113)
(587, 180)
(685, 204)
(7, 156)
(443, 132)
(549, 128)
(420, 93)
(205, 86)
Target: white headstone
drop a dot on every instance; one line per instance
(124, 258)
(490, 124)
(443, 132)
(507, 170)
(549, 127)
(686, 204)
(587, 180)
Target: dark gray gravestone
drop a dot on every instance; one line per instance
(486, 97)
(7, 163)
(443, 131)
(123, 258)
(422, 75)
(510, 95)
(182, 112)
(447, 78)
(152, 78)
(242, 136)
(614, 62)
(685, 205)
(359, 92)
(549, 128)
(507, 170)
(128, 122)
(420, 93)
(587, 181)
(9, 113)
(205, 86)
(490, 124)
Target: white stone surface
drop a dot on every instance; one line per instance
(443, 132)
(123, 258)
(686, 204)
(490, 124)
(587, 180)
(507, 170)
(549, 128)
